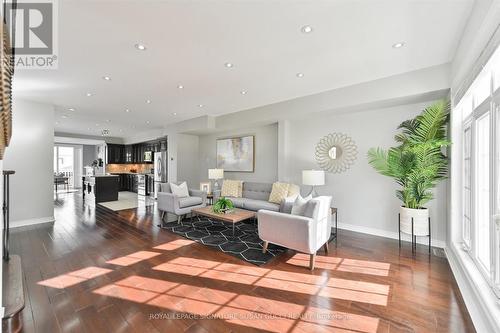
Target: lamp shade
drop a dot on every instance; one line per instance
(215, 173)
(313, 177)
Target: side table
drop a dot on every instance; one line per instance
(333, 234)
(210, 199)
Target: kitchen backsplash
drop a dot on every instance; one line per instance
(139, 168)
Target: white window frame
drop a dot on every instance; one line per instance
(492, 105)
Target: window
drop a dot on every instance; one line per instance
(482, 202)
(480, 164)
(467, 191)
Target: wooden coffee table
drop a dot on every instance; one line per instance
(237, 215)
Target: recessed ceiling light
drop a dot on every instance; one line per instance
(300, 74)
(89, 129)
(71, 109)
(148, 122)
(398, 45)
(306, 29)
(243, 92)
(121, 130)
(175, 113)
(148, 101)
(57, 123)
(180, 86)
(108, 121)
(64, 116)
(89, 94)
(140, 47)
(228, 65)
(127, 110)
(107, 78)
(97, 124)
(200, 105)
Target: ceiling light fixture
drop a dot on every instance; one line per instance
(107, 78)
(64, 116)
(57, 123)
(200, 105)
(71, 109)
(89, 94)
(148, 101)
(97, 124)
(108, 121)
(299, 75)
(228, 65)
(398, 45)
(148, 122)
(243, 92)
(180, 86)
(306, 29)
(127, 110)
(175, 113)
(140, 47)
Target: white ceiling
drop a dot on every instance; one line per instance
(188, 43)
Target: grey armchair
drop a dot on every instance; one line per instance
(170, 203)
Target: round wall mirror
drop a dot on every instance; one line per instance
(336, 152)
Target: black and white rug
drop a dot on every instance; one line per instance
(245, 244)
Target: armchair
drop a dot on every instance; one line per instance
(170, 203)
(306, 233)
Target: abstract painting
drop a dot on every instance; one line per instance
(236, 154)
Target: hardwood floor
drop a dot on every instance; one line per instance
(99, 271)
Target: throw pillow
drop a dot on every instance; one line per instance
(300, 204)
(279, 192)
(293, 190)
(180, 190)
(231, 188)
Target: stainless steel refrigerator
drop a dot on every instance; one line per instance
(160, 170)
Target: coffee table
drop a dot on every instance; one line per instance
(236, 215)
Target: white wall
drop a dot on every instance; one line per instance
(30, 155)
(266, 154)
(366, 200)
(187, 160)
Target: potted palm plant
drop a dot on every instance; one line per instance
(417, 164)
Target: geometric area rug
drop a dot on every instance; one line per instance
(245, 244)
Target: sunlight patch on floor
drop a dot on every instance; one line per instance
(75, 277)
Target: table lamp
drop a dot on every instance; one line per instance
(313, 178)
(215, 174)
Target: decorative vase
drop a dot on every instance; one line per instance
(420, 221)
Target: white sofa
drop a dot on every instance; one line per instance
(307, 233)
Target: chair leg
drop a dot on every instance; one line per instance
(179, 219)
(163, 215)
(264, 247)
(326, 247)
(312, 258)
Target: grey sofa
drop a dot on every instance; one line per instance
(170, 203)
(255, 196)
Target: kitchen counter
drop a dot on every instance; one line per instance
(101, 188)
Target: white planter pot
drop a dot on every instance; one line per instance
(420, 221)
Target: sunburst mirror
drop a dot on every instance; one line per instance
(336, 152)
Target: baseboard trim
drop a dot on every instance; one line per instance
(389, 234)
(23, 223)
(482, 304)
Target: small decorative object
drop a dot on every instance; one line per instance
(205, 187)
(417, 165)
(336, 152)
(215, 174)
(236, 154)
(313, 178)
(223, 206)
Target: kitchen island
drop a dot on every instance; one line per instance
(101, 188)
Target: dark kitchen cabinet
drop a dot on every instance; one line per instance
(132, 154)
(115, 154)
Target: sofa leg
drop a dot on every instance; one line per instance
(179, 219)
(312, 258)
(326, 247)
(264, 247)
(163, 216)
